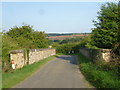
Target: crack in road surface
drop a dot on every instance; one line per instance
(62, 72)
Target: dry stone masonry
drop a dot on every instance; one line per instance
(18, 57)
(97, 54)
(106, 54)
(39, 54)
(22, 58)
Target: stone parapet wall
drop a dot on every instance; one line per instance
(39, 54)
(85, 52)
(106, 54)
(18, 57)
(97, 54)
(21, 57)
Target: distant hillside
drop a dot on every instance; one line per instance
(65, 36)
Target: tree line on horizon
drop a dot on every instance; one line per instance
(64, 34)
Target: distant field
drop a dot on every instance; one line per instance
(66, 36)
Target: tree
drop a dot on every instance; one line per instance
(39, 39)
(106, 32)
(117, 45)
(23, 31)
(27, 37)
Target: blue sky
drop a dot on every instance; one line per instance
(51, 17)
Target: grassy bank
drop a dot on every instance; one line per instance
(11, 79)
(99, 77)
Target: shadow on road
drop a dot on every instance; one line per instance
(69, 58)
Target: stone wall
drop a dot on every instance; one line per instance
(18, 57)
(21, 57)
(39, 54)
(85, 52)
(106, 54)
(97, 54)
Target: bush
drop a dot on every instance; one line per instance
(65, 48)
(8, 44)
(97, 75)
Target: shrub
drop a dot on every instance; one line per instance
(97, 75)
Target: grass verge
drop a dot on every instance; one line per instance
(11, 79)
(98, 77)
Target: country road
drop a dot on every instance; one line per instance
(62, 72)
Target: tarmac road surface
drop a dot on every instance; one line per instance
(62, 72)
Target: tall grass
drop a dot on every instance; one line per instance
(99, 77)
(11, 79)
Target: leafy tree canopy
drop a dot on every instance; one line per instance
(28, 37)
(107, 26)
